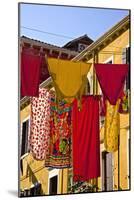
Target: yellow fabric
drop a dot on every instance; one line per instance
(69, 78)
(112, 127)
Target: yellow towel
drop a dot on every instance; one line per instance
(112, 126)
(69, 78)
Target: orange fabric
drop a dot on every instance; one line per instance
(69, 78)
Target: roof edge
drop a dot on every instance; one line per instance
(41, 44)
(105, 36)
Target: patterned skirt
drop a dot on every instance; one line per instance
(40, 124)
(59, 155)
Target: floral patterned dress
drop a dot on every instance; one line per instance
(40, 124)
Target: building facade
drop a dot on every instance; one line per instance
(112, 47)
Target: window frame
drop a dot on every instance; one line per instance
(52, 173)
(21, 135)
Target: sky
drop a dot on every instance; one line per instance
(68, 21)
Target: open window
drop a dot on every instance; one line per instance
(35, 190)
(53, 181)
(53, 185)
(126, 60)
(24, 137)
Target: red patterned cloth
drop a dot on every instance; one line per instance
(60, 135)
(111, 78)
(40, 124)
(30, 73)
(86, 143)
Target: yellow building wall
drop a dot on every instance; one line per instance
(123, 159)
(124, 151)
(116, 46)
(65, 181)
(34, 171)
(25, 113)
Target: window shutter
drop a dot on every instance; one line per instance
(104, 180)
(124, 60)
(128, 55)
(109, 171)
(24, 142)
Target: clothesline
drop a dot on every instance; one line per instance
(41, 53)
(54, 34)
(102, 52)
(45, 83)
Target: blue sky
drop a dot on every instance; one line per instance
(69, 21)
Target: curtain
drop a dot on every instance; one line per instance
(30, 73)
(40, 124)
(59, 155)
(86, 142)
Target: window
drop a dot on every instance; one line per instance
(53, 185)
(35, 190)
(87, 88)
(109, 62)
(107, 171)
(126, 60)
(53, 181)
(24, 139)
(81, 47)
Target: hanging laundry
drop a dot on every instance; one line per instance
(69, 78)
(40, 124)
(30, 73)
(59, 155)
(111, 78)
(112, 126)
(86, 142)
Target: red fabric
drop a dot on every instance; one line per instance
(111, 78)
(86, 144)
(30, 73)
